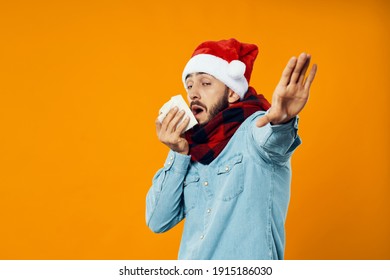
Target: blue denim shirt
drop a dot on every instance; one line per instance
(235, 207)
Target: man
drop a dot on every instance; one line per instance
(229, 176)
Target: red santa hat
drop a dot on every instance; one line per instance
(229, 61)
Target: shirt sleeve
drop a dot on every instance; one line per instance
(276, 142)
(164, 205)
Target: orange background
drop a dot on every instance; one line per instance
(81, 83)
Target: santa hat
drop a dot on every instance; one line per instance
(229, 61)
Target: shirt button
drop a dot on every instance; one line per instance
(206, 184)
(202, 236)
(171, 158)
(209, 210)
(169, 162)
(227, 168)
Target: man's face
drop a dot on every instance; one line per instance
(207, 96)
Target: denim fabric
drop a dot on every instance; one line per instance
(235, 207)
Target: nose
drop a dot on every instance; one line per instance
(193, 93)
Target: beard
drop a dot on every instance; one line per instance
(221, 105)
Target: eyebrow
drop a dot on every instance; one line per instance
(196, 74)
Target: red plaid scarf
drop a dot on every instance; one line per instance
(207, 142)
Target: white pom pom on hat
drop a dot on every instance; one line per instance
(236, 69)
(230, 61)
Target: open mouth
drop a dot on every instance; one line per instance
(196, 110)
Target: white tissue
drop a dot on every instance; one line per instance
(179, 102)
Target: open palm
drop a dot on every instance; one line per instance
(291, 93)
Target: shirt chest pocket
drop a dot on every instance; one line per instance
(191, 190)
(230, 178)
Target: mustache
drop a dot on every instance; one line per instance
(198, 103)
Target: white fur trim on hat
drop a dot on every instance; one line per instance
(231, 74)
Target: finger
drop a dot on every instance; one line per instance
(286, 75)
(263, 121)
(158, 126)
(311, 77)
(181, 127)
(304, 69)
(174, 122)
(298, 68)
(168, 118)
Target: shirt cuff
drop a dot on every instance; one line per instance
(177, 162)
(279, 140)
(293, 123)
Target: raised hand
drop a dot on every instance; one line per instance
(170, 131)
(291, 93)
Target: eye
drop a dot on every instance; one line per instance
(189, 84)
(206, 83)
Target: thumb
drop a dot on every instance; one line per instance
(158, 126)
(263, 121)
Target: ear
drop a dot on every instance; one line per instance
(232, 96)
